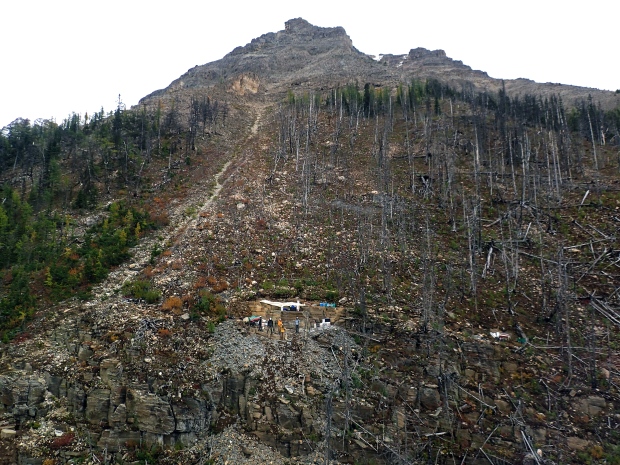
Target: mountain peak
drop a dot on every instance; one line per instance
(299, 33)
(301, 27)
(301, 53)
(298, 25)
(313, 57)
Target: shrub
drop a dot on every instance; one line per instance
(163, 332)
(613, 456)
(208, 303)
(62, 441)
(149, 455)
(284, 292)
(331, 296)
(148, 272)
(155, 252)
(219, 286)
(152, 296)
(160, 218)
(142, 290)
(172, 303)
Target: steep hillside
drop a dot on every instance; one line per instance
(465, 230)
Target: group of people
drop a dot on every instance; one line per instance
(281, 329)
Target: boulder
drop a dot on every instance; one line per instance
(470, 374)
(364, 411)
(399, 418)
(429, 398)
(592, 405)
(56, 385)
(24, 391)
(539, 435)
(118, 396)
(503, 406)
(463, 438)
(268, 413)
(21, 391)
(152, 413)
(307, 419)
(287, 417)
(7, 433)
(77, 399)
(242, 406)
(97, 406)
(412, 394)
(85, 353)
(6, 390)
(597, 402)
(576, 443)
(110, 371)
(36, 390)
(191, 415)
(119, 416)
(510, 367)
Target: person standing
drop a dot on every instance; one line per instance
(269, 326)
(281, 329)
(297, 325)
(260, 323)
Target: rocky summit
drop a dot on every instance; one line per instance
(301, 254)
(304, 56)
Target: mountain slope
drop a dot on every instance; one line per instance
(469, 241)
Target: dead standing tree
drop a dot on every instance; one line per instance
(428, 321)
(472, 224)
(562, 311)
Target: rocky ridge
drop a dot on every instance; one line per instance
(304, 56)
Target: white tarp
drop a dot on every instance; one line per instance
(282, 304)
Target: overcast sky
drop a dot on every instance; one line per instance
(68, 56)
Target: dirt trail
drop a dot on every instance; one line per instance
(180, 223)
(259, 113)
